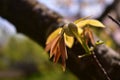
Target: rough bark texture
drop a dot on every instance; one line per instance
(35, 20)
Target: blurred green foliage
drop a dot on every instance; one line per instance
(101, 34)
(23, 59)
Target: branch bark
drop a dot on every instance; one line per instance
(36, 21)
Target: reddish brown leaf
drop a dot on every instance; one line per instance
(63, 53)
(54, 46)
(87, 34)
(48, 46)
(57, 55)
(91, 37)
(58, 49)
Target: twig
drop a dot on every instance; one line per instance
(117, 22)
(101, 67)
(108, 9)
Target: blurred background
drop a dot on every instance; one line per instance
(23, 59)
(78, 8)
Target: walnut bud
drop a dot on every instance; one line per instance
(70, 28)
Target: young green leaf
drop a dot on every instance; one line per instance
(69, 40)
(81, 19)
(90, 22)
